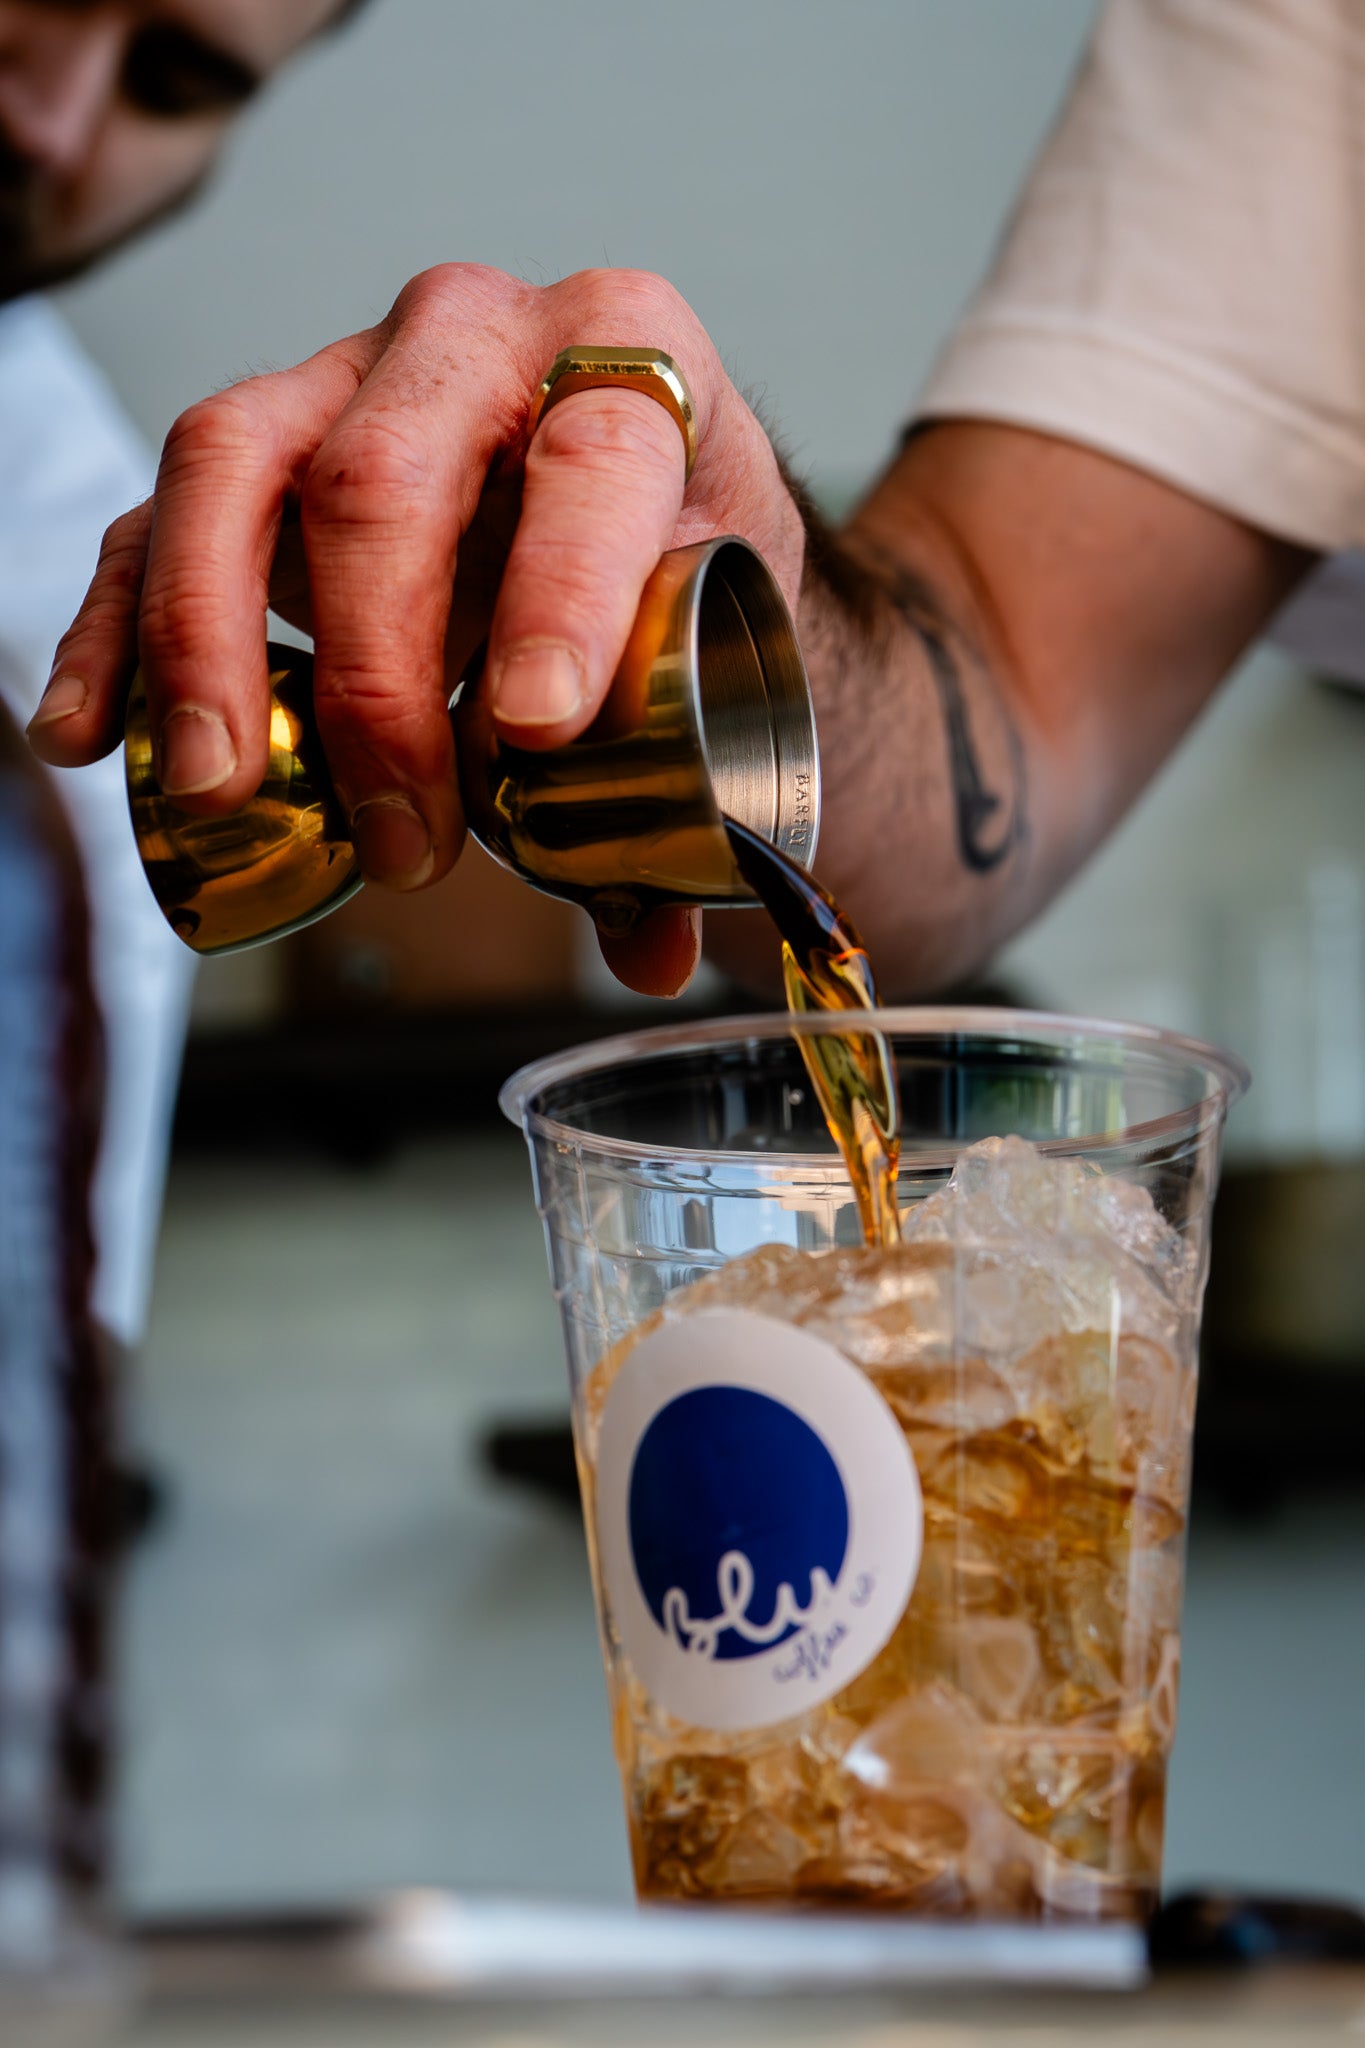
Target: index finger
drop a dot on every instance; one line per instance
(80, 716)
(228, 466)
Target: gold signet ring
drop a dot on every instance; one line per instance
(647, 370)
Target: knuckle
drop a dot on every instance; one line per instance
(127, 534)
(447, 288)
(651, 292)
(376, 722)
(361, 685)
(122, 555)
(368, 473)
(230, 424)
(624, 434)
(644, 289)
(105, 612)
(172, 620)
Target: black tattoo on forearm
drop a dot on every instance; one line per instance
(991, 823)
(978, 809)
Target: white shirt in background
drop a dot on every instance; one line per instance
(70, 462)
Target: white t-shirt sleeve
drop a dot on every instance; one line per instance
(1183, 282)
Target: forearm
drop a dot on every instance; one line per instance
(1004, 643)
(926, 834)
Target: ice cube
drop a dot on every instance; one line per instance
(1046, 1244)
(1165, 1690)
(760, 1856)
(685, 1806)
(958, 1398)
(998, 1664)
(930, 1736)
(773, 1280)
(924, 1833)
(886, 1307)
(1118, 1402)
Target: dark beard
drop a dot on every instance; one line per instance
(23, 268)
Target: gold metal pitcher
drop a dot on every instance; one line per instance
(709, 713)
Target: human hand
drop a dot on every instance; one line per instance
(384, 496)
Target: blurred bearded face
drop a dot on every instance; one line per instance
(112, 112)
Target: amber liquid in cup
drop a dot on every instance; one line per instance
(1005, 1753)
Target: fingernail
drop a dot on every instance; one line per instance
(64, 696)
(539, 682)
(393, 842)
(197, 753)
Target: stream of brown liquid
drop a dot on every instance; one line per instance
(825, 967)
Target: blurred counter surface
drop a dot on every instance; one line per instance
(428, 1968)
(1264, 2009)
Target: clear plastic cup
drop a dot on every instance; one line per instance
(887, 1545)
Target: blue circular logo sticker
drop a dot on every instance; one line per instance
(759, 1518)
(738, 1521)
